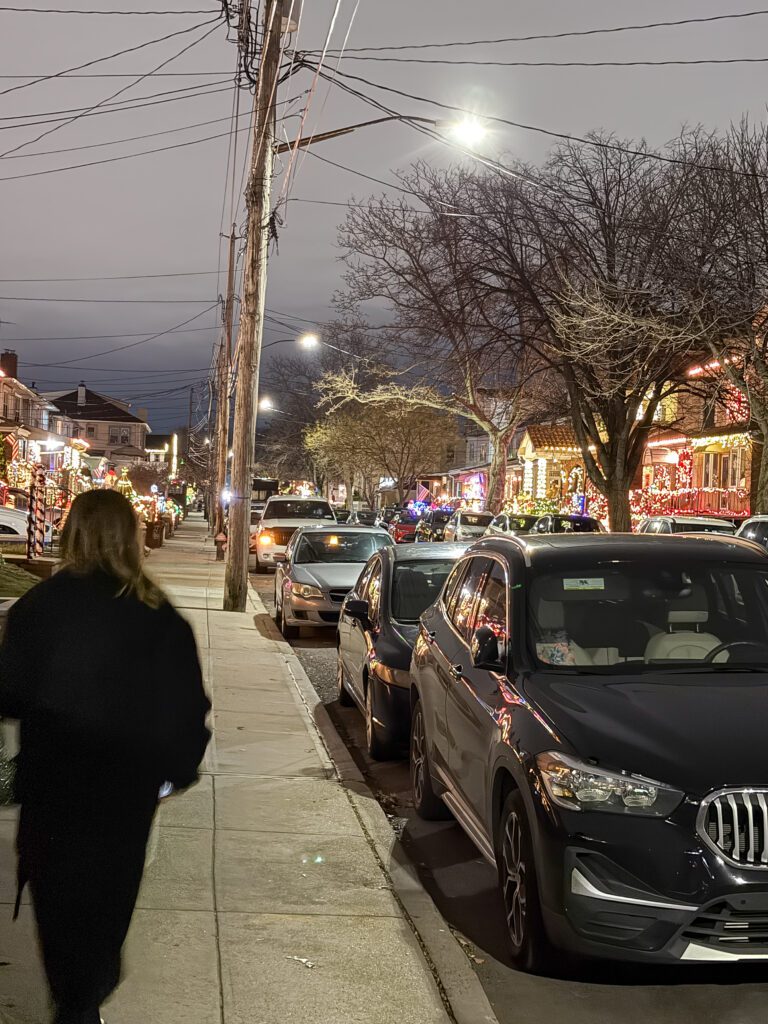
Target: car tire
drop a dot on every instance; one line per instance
(342, 693)
(261, 570)
(426, 802)
(379, 743)
(289, 632)
(529, 947)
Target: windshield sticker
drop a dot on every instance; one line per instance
(584, 583)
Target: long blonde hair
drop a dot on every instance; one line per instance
(102, 534)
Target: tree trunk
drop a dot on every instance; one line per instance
(761, 491)
(619, 514)
(497, 477)
(350, 486)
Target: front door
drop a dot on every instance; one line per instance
(474, 699)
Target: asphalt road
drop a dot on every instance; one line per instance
(463, 886)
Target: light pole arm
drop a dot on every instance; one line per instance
(284, 147)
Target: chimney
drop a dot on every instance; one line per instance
(81, 395)
(9, 363)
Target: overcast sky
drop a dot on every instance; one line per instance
(161, 213)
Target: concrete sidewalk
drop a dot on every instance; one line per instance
(269, 895)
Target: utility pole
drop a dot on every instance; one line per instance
(252, 310)
(222, 404)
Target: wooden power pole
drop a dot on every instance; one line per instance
(222, 401)
(252, 310)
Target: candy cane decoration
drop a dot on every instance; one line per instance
(36, 517)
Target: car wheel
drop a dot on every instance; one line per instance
(380, 745)
(289, 632)
(426, 802)
(528, 944)
(261, 569)
(343, 694)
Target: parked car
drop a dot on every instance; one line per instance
(402, 527)
(384, 516)
(567, 524)
(377, 629)
(281, 517)
(755, 529)
(591, 709)
(13, 530)
(467, 525)
(431, 526)
(318, 569)
(366, 517)
(510, 524)
(685, 524)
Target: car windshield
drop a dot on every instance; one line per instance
(476, 519)
(299, 510)
(619, 617)
(416, 585)
(408, 516)
(441, 517)
(695, 527)
(347, 546)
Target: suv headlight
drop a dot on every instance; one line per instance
(579, 786)
(305, 590)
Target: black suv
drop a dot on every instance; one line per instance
(432, 525)
(592, 709)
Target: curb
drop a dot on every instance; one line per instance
(459, 985)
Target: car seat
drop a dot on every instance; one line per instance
(684, 640)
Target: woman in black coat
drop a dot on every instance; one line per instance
(104, 677)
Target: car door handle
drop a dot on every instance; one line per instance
(457, 671)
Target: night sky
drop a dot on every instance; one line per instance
(162, 213)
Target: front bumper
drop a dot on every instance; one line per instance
(264, 554)
(630, 888)
(311, 611)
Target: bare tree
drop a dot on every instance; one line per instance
(453, 347)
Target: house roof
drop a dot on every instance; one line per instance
(96, 407)
(551, 436)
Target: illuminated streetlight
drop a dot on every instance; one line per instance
(469, 132)
(266, 404)
(309, 341)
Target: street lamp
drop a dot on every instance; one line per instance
(468, 132)
(266, 404)
(309, 341)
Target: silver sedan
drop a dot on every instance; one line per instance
(320, 566)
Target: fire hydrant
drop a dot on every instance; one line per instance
(220, 540)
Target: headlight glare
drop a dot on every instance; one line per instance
(578, 786)
(305, 590)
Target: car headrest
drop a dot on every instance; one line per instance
(550, 615)
(689, 609)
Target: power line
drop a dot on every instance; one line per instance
(566, 63)
(98, 337)
(46, 298)
(120, 91)
(564, 35)
(117, 159)
(116, 277)
(59, 10)
(598, 144)
(123, 74)
(101, 60)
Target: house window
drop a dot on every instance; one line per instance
(90, 430)
(75, 431)
(114, 436)
(711, 470)
(125, 435)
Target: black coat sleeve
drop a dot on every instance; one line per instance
(184, 706)
(17, 662)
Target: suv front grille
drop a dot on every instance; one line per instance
(337, 596)
(282, 534)
(721, 925)
(734, 823)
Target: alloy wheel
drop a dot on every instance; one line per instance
(417, 756)
(513, 882)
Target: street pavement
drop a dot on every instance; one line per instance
(270, 894)
(463, 887)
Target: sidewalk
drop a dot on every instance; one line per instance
(268, 897)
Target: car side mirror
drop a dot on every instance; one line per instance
(484, 650)
(357, 609)
(279, 556)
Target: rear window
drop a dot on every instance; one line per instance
(695, 527)
(416, 585)
(579, 525)
(475, 519)
(326, 546)
(299, 510)
(441, 517)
